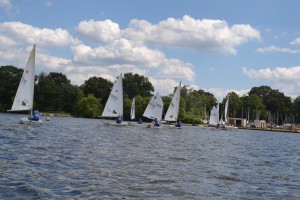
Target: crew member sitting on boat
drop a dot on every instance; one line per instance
(119, 119)
(140, 121)
(178, 124)
(156, 122)
(35, 116)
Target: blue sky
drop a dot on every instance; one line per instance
(219, 46)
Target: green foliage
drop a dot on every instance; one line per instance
(255, 105)
(97, 86)
(89, 107)
(273, 100)
(235, 105)
(9, 78)
(54, 92)
(191, 119)
(134, 84)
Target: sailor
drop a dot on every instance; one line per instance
(140, 121)
(178, 124)
(35, 115)
(156, 122)
(119, 119)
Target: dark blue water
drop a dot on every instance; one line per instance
(72, 158)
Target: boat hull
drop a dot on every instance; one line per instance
(27, 121)
(116, 124)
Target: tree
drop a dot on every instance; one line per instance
(134, 84)
(55, 92)
(97, 86)
(89, 106)
(274, 100)
(235, 105)
(255, 105)
(10, 77)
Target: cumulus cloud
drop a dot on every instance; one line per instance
(25, 33)
(8, 6)
(100, 31)
(201, 35)
(283, 78)
(6, 42)
(274, 49)
(119, 52)
(126, 54)
(220, 93)
(296, 41)
(163, 86)
(52, 62)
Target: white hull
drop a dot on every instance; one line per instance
(173, 126)
(116, 124)
(229, 128)
(26, 121)
(135, 124)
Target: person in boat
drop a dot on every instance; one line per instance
(140, 121)
(119, 119)
(35, 115)
(156, 122)
(178, 124)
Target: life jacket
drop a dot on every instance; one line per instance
(36, 115)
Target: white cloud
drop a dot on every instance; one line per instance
(273, 49)
(24, 33)
(283, 78)
(100, 31)
(201, 35)
(220, 93)
(176, 69)
(296, 41)
(163, 86)
(52, 62)
(6, 42)
(8, 7)
(119, 52)
(5, 4)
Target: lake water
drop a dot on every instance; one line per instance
(73, 158)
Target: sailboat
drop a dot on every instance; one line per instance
(214, 116)
(132, 113)
(132, 110)
(225, 124)
(154, 108)
(24, 97)
(114, 104)
(172, 113)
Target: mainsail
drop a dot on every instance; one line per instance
(154, 108)
(114, 104)
(132, 111)
(214, 115)
(226, 110)
(172, 113)
(24, 96)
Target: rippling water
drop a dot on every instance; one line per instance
(72, 158)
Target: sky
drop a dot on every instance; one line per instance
(216, 45)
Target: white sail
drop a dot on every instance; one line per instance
(214, 115)
(132, 111)
(24, 97)
(226, 110)
(154, 108)
(172, 113)
(114, 104)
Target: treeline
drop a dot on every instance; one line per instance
(55, 93)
